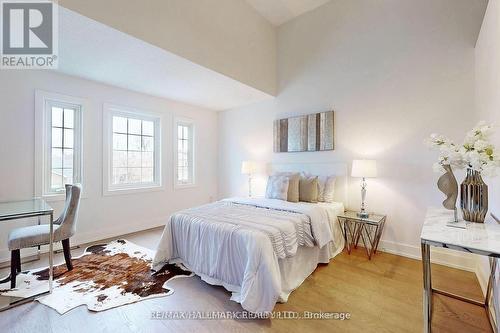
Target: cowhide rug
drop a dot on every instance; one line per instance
(103, 277)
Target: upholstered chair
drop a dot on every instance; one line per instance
(33, 236)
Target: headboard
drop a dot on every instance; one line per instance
(339, 169)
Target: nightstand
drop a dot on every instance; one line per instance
(368, 229)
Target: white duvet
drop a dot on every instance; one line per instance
(239, 243)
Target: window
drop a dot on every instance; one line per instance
(133, 150)
(59, 143)
(184, 157)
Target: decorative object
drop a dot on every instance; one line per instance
(314, 132)
(364, 169)
(479, 157)
(104, 277)
(447, 184)
(248, 168)
(474, 197)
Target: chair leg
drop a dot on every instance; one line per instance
(18, 260)
(67, 253)
(14, 255)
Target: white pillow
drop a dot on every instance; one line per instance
(326, 187)
(277, 187)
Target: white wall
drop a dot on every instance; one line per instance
(394, 71)
(488, 99)
(100, 216)
(227, 36)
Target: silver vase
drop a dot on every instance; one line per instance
(474, 197)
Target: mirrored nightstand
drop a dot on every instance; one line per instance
(368, 229)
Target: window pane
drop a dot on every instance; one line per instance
(134, 175)
(147, 143)
(69, 118)
(119, 159)
(119, 175)
(57, 115)
(56, 179)
(56, 137)
(134, 159)
(179, 132)
(147, 175)
(134, 142)
(148, 128)
(67, 176)
(134, 126)
(68, 158)
(120, 124)
(147, 159)
(119, 141)
(68, 138)
(56, 158)
(186, 132)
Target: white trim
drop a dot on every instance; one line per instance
(189, 122)
(439, 256)
(42, 137)
(107, 131)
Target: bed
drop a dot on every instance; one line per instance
(259, 249)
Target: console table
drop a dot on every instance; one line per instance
(478, 238)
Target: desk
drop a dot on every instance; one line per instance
(21, 210)
(478, 238)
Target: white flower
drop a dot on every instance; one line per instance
(476, 152)
(481, 144)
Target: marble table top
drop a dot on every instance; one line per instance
(481, 238)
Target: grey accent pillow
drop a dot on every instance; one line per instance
(277, 187)
(293, 185)
(308, 189)
(326, 188)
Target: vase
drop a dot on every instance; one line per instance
(474, 197)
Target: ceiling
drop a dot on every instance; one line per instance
(118, 59)
(280, 11)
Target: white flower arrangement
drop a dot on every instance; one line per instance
(476, 152)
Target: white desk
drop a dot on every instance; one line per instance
(479, 238)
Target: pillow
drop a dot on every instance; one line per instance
(326, 188)
(293, 185)
(308, 189)
(277, 187)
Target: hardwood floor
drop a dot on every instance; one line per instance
(381, 295)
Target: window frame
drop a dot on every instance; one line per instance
(187, 122)
(110, 110)
(44, 101)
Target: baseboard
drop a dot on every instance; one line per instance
(444, 257)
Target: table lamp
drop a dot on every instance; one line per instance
(248, 168)
(363, 169)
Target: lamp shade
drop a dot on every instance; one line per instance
(364, 168)
(248, 167)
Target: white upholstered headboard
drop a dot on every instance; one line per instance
(338, 169)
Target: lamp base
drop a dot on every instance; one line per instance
(363, 215)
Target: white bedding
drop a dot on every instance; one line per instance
(259, 249)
